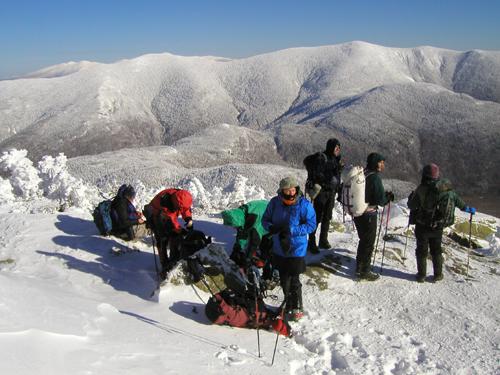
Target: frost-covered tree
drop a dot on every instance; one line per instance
(23, 176)
(6, 193)
(59, 185)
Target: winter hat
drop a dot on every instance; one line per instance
(331, 144)
(373, 159)
(431, 171)
(288, 183)
(129, 191)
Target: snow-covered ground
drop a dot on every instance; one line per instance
(73, 302)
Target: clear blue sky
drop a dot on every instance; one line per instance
(36, 34)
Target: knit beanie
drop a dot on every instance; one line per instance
(431, 171)
(373, 159)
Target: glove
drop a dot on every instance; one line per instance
(470, 210)
(390, 196)
(284, 238)
(189, 224)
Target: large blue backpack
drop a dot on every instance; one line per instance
(102, 217)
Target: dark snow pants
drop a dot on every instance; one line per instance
(428, 239)
(323, 207)
(366, 225)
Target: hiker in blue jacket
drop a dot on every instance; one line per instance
(290, 218)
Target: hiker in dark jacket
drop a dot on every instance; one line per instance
(430, 221)
(166, 207)
(289, 217)
(128, 223)
(366, 224)
(323, 182)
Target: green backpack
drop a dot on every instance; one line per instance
(438, 206)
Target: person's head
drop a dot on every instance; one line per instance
(333, 147)
(289, 190)
(129, 192)
(430, 172)
(375, 162)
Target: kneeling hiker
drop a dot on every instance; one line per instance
(128, 223)
(247, 220)
(165, 208)
(432, 206)
(290, 218)
(366, 224)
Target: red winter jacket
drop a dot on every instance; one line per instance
(178, 203)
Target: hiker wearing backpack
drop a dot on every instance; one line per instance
(290, 218)
(323, 182)
(128, 222)
(164, 209)
(432, 207)
(366, 224)
(247, 220)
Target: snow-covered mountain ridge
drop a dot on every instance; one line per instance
(414, 105)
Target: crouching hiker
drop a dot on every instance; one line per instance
(128, 223)
(290, 218)
(366, 224)
(432, 206)
(165, 208)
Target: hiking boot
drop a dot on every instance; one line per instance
(437, 277)
(420, 278)
(296, 315)
(324, 244)
(369, 276)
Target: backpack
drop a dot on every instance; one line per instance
(314, 162)
(444, 214)
(230, 308)
(352, 194)
(102, 217)
(192, 242)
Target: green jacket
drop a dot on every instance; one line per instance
(247, 219)
(374, 190)
(423, 201)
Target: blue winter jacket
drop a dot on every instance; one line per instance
(298, 220)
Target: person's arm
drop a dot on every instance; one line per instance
(307, 222)
(268, 216)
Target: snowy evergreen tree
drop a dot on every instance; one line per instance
(6, 193)
(23, 176)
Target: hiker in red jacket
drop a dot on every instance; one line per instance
(166, 207)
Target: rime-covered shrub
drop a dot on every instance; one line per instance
(23, 176)
(218, 198)
(59, 185)
(6, 193)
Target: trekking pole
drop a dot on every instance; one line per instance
(154, 255)
(257, 292)
(470, 245)
(378, 236)
(406, 242)
(385, 235)
(282, 307)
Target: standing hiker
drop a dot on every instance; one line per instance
(323, 181)
(432, 206)
(166, 207)
(290, 217)
(128, 222)
(366, 224)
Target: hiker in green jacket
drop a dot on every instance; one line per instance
(366, 224)
(246, 219)
(432, 208)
